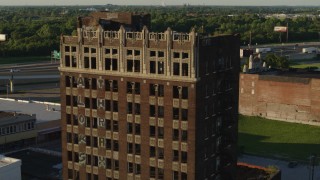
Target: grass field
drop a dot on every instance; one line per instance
(28, 59)
(304, 66)
(278, 139)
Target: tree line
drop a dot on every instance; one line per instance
(36, 30)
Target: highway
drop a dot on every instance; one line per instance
(30, 76)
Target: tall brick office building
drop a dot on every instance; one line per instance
(144, 105)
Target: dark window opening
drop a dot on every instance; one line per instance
(93, 63)
(67, 81)
(129, 65)
(160, 132)
(115, 126)
(94, 83)
(108, 105)
(86, 62)
(108, 124)
(185, 55)
(152, 111)
(107, 64)
(185, 69)
(129, 108)
(184, 157)
(160, 67)
(129, 52)
(137, 108)
(152, 151)
(136, 52)
(175, 135)
(160, 54)
(108, 144)
(129, 128)
(137, 88)
(184, 92)
(184, 135)
(68, 100)
(87, 83)
(114, 64)
(115, 106)
(87, 102)
(175, 92)
(137, 129)
(176, 69)
(74, 61)
(176, 55)
(160, 90)
(86, 50)
(175, 155)
(137, 149)
(152, 53)
(184, 113)
(129, 148)
(160, 111)
(152, 131)
(160, 153)
(136, 66)
(176, 113)
(88, 140)
(152, 67)
(67, 60)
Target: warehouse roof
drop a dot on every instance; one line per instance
(44, 111)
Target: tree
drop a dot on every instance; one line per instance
(276, 61)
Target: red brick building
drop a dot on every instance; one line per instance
(289, 96)
(146, 105)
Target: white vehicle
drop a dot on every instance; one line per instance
(14, 70)
(263, 50)
(310, 50)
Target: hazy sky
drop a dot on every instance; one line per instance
(167, 2)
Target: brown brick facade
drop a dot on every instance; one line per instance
(144, 105)
(285, 98)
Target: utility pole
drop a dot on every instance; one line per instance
(312, 164)
(287, 32)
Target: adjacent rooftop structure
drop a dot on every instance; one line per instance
(10, 168)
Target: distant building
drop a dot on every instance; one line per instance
(145, 105)
(24, 123)
(287, 96)
(16, 129)
(10, 168)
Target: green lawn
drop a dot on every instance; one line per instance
(304, 66)
(28, 59)
(278, 139)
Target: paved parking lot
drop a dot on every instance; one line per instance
(300, 172)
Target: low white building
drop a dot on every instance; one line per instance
(10, 168)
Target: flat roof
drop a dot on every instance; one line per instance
(7, 118)
(4, 161)
(44, 111)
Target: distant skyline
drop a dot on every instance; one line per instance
(166, 2)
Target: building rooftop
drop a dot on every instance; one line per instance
(44, 111)
(4, 161)
(7, 118)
